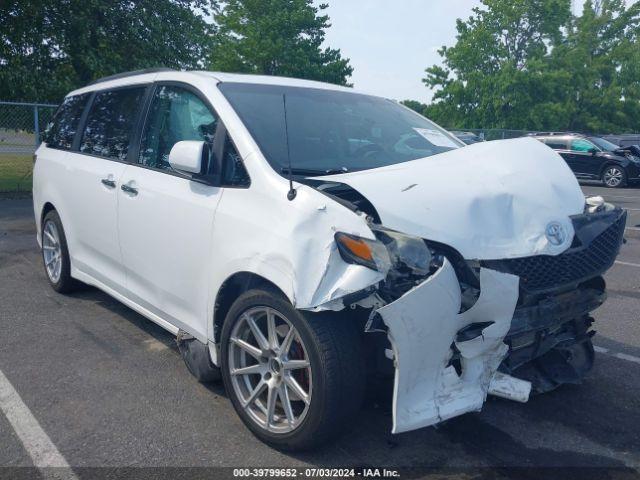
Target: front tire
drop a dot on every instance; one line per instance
(55, 254)
(294, 378)
(614, 176)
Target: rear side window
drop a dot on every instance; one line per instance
(62, 129)
(556, 144)
(110, 123)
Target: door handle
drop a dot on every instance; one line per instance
(128, 189)
(107, 182)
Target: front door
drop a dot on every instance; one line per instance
(582, 159)
(165, 218)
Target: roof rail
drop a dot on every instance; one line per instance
(130, 74)
(555, 134)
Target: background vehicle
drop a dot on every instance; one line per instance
(624, 140)
(595, 158)
(293, 234)
(467, 137)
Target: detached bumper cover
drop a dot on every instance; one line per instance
(423, 326)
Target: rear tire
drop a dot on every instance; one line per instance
(614, 176)
(329, 370)
(55, 254)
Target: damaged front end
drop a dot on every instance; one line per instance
(446, 331)
(425, 328)
(461, 329)
(550, 337)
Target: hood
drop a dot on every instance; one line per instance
(490, 200)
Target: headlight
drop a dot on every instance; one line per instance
(406, 251)
(392, 249)
(405, 261)
(362, 251)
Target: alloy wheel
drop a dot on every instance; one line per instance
(613, 177)
(270, 370)
(52, 251)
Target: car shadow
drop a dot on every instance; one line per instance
(481, 439)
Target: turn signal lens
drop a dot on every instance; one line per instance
(362, 251)
(356, 246)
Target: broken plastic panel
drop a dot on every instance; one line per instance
(424, 323)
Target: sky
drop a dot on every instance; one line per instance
(391, 42)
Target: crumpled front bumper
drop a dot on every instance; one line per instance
(423, 328)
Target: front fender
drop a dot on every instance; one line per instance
(290, 244)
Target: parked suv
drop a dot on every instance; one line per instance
(301, 239)
(594, 158)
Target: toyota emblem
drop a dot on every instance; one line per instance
(556, 233)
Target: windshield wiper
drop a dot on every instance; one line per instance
(311, 171)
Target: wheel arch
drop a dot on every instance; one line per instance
(621, 166)
(234, 286)
(46, 208)
(612, 163)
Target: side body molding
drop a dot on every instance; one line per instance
(423, 324)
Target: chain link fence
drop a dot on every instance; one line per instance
(21, 127)
(489, 134)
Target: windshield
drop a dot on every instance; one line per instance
(331, 131)
(604, 144)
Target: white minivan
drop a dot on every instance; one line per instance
(302, 239)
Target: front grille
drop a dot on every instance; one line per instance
(588, 257)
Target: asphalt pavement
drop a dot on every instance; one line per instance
(97, 387)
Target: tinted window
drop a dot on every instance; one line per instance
(233, 170)
(581, 145)
(62, 129)
(330, 131)
(605, 145)
(556, 144)
(175, 114)
(111, 121)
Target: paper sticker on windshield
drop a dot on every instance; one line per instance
(436, 137)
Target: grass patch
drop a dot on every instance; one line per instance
(15, 172)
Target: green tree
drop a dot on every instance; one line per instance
(276, 37)
(601, 59)
(415, 106)
(532, 64)
(48, 47)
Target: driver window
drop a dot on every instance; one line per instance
(581, 145)
(175, 114)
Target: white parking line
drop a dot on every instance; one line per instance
(628, 264)
(621, 356)
(36, 442)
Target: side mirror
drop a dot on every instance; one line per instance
(186, 156)
(593, 151)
